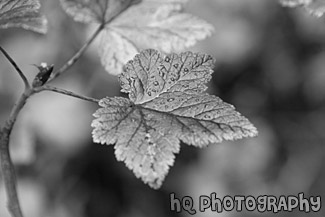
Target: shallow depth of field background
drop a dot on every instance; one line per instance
(270, 64)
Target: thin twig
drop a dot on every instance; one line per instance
(7, 167)
(66, 92)
(77, 55)
(23, 77)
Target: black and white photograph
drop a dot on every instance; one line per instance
(166, 108)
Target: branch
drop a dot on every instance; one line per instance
(77, 55)
(8, 170)
(7, 167)
(66, 92)
(23, 77)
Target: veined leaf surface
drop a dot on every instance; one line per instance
(166, 105)
(158, 24)
(22, 13)
(94, 11)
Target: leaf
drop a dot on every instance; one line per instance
(314, 7)
(112, 49)
(22, 13)
(155, 24)
(294, 3)
(94, 11)
(167, 105)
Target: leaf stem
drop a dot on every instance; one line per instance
(65, 92)
(7, 167)
(77, 55)
(23, 77)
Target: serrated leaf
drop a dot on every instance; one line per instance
(22, 13)
(314, 7)
(155, 24)
(167, 105)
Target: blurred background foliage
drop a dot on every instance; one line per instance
(270, 65)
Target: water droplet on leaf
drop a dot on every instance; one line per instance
(173, 111)
(207, 116)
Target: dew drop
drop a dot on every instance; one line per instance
(156, 83)
(170, 100)
(172, 79)
(161, 74)
(186, 70)
(176, 65)
(147, 137)
(167, 59)
(207, 116)
(149, 93)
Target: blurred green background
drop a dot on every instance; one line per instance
(270, 65)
